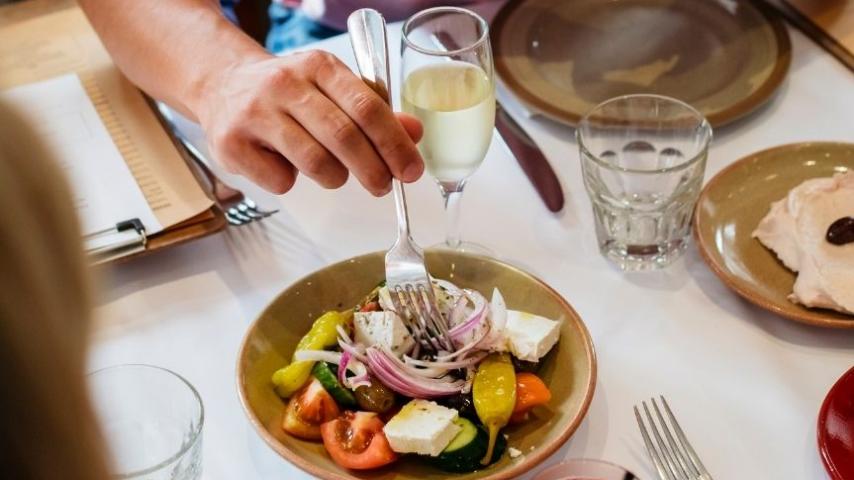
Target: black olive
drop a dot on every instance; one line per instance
(525, 366)
(841, 231)
(463, 403)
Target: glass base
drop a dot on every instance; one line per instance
(465, 247)
(585, 468)
(633, 258)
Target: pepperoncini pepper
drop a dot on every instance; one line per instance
(323, 334)
(494, 392)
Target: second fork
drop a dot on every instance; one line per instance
(671, 453)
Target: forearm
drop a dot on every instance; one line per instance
(174, 49)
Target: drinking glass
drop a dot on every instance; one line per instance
(448, 83)
(643, 158)
(585, 469)
(152, 420)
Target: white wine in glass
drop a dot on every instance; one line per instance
(448, 84)
(456, 105)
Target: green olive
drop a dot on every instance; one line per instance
(375, 398)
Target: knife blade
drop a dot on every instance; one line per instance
(532, 160)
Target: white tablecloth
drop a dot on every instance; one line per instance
(746, 385)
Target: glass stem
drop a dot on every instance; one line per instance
(452, 193)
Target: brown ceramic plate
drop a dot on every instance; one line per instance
(569, 370)
(736, 199)
(724, 57)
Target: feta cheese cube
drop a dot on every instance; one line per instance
(384, 329)
(422, 427)
(529, 336)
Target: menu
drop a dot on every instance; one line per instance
(67, 124)
(119, 159)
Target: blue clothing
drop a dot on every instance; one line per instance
(289, 27)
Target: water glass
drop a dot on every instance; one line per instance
(152, 420)
(643, 158)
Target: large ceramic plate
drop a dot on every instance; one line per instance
(724, 57)
(570, 370)
(736, 199)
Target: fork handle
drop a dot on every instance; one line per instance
(400, 207)
(222, 193)
(370, 47)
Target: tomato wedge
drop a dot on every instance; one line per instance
(308, 409)
(370, 307)
(356, 440)
(530, 392)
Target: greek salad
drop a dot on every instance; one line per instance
(374, 385)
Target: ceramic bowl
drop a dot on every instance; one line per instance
(569, 370)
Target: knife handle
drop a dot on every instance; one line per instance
(533, 163)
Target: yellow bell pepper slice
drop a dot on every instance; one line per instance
(323, 334)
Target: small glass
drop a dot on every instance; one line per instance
(152, 421)
(448, 83)
(643, 158)
(585, 469)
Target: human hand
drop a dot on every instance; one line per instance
(270, 117)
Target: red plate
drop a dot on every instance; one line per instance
(836, 429)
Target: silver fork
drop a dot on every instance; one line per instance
(406, 276)
(674, 459)
(237, 207)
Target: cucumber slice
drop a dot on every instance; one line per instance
(466, 450)
(465, 437)
(329, 379)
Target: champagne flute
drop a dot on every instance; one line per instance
(448, 83)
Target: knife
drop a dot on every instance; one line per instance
(521, 145)
(531, 159)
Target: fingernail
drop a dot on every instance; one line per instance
(386, 190)
(413, 172)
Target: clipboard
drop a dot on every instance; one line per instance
(60, 33)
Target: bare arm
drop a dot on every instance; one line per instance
(170, 49)
(265, 117)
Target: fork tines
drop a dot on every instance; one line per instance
(417, 306)
(245, 212)
(673, 456)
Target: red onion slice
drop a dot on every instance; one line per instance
(359, 371)
(476, 343)
(456, 316)
(446, 365)
(317, 356)
(448, 286)
(392, 372)
(342, 368)
(475, 319)
(360, 381)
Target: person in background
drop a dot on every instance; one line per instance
(265, 117)
(49, 428)
(299, 22)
